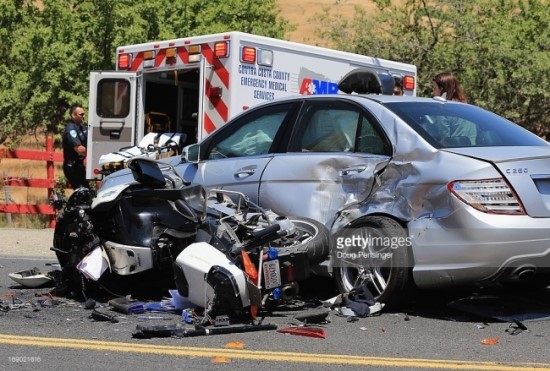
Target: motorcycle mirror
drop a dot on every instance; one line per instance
(147, 172)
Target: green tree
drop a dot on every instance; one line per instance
(48, 48)
(498, 49)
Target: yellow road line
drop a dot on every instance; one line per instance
(261, 355)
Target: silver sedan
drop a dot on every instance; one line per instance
(418, 192)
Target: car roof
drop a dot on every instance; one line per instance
(380, 98)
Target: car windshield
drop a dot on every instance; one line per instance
(450, 125)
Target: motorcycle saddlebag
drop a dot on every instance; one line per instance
(202, 273)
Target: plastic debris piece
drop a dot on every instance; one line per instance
(221, 321)
(516, 328)
(90, 304)
(100, 316)
(187, 316)
(221, 359)
(126, 305)
(480, 327)
(31, 278)
(313, 316)
(520, 325)
(234, 345)
(314, 332)
(489, 341)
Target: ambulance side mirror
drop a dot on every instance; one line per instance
(191, 153)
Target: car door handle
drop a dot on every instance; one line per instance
(353, 170)
(241, 173)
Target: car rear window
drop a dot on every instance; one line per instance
(452, 125)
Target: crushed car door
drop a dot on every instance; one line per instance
(334, 153)
(236, 155)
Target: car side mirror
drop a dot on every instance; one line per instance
(191, 153)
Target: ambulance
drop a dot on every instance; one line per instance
(186, 88)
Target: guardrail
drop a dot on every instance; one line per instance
(50, 156)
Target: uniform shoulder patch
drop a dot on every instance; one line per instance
(73, 133)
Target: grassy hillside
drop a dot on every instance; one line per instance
(302, 13)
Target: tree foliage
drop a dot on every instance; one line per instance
(499, 49)
(49, 47)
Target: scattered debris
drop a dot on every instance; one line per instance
(147, 332)
(504, 308)
(516, 328)
(126, 305)
(313, 316)
(489, 341)
(314, 332)
(89, 304)
(103, 317)
(31, 278)
(359, 302)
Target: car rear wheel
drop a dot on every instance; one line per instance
(374, 251)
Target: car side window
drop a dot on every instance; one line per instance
(370, 140)
(330, 130)
(254, 134)
(339, 127)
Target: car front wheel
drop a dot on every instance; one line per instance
(374, 251)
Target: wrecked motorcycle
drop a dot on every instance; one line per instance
(222, 252)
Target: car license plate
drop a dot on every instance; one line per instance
(272, 274)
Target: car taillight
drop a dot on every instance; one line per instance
(492, 196)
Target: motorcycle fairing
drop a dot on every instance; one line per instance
(105, 197)
(126, 260)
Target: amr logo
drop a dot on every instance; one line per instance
(317, 87)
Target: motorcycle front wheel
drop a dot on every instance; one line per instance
(310, 236)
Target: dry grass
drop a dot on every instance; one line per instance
(302, 13)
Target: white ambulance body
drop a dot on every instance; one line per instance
(194, 85)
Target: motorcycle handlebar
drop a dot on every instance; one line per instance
(266, 231)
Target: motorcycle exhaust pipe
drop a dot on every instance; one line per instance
(290, 291)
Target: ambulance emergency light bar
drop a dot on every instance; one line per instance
(262, 57)
(408, 82)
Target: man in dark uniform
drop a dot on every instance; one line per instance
(75, 137)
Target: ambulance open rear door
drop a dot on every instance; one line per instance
(112, 116)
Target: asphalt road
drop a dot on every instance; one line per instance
(55, 333)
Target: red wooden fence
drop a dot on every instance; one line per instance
(50, 157)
